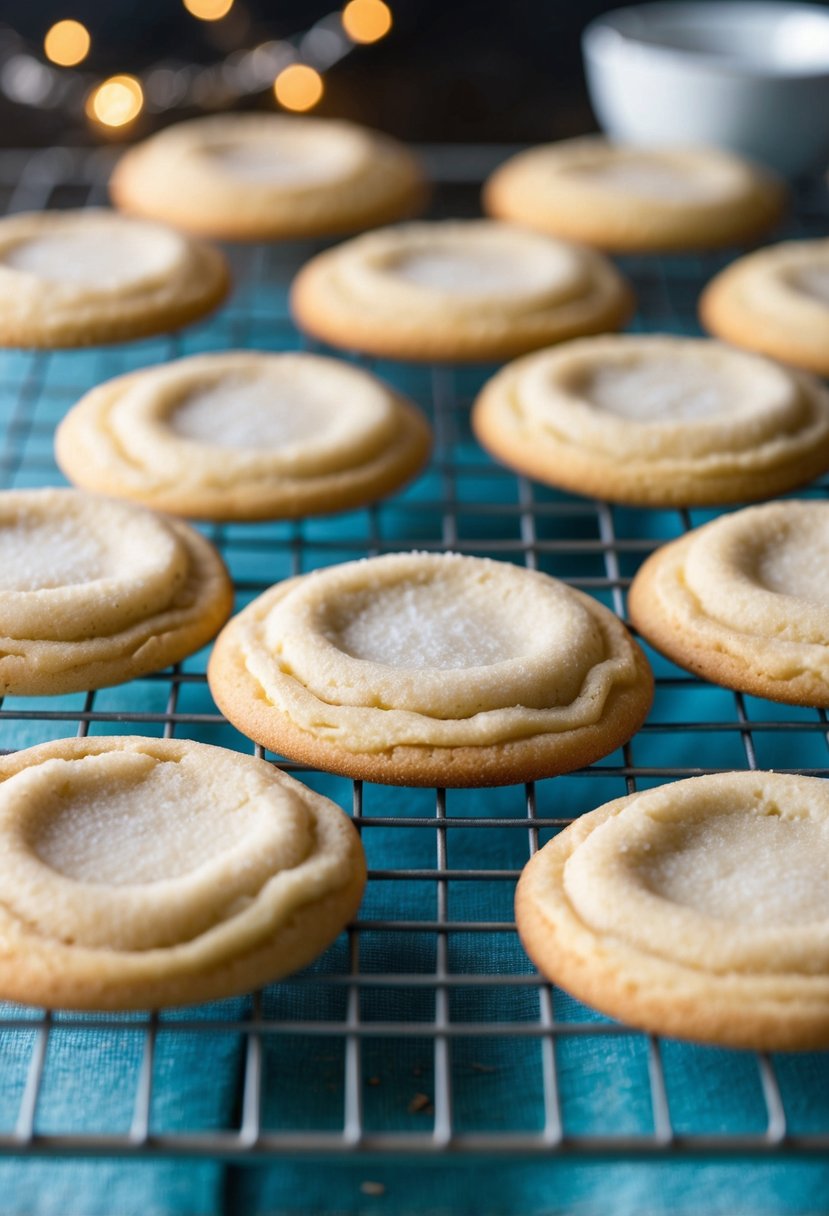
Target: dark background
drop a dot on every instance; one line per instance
(450, 70)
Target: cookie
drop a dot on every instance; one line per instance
(138, 873)
(656, 421)
(244, 436)
(698, 910)
(460, 290)
(431, 669)
(633, 199)
(775, 301)
(255, 177)
(96, 592)
(78, 278)
(744, 601)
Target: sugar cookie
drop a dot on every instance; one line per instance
(138, 873)
(431, 669)
(630, 199)
(461, 290)
(244, 435)
(77, 278)
(266, 176)
(775, 301)
(94, 592)
(744, 601)
(699, 909)
(656, 421)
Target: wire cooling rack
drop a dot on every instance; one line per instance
(424, 1029)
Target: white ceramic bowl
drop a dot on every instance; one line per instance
(750, 77)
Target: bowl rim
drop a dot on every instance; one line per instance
(602, 38)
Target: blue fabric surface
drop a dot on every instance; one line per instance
(90, 1079)
(91, 1074)
(472, 1188)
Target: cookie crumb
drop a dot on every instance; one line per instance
(421, 1102)
(372, 1081)
(372, 1188)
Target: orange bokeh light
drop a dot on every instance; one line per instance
(208, 10)
(116, 101)
(298, 87)
(366, 20)
(67, 43)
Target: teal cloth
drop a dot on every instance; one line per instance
(470, 1188)
(90, 1079)
(90, 1075)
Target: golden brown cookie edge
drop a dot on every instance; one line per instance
(644, 991)
(314, 312)
(240, 699)
(311, 930)
(652, 621)
(725, 319)
(503, 199)
(392, 469)
(590, 474)
(158, 651)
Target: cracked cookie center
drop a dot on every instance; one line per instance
(146, 830)
(747, 868)
(420, 626)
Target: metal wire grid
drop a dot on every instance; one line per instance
(466, 988)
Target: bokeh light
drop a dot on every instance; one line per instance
(116, 101)
(208, 10)
(67, 43)
(366, 20)
(298, 87)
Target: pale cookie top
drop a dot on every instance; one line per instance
(700, 908)
(635, 198)
(724, 874)
(463, 288)
(244, 435)
(94, 591)
(656, 420)
(128, 864)
(75, 278)
(750, 590)
(432, 650)
(258, 176)
(776, 301)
